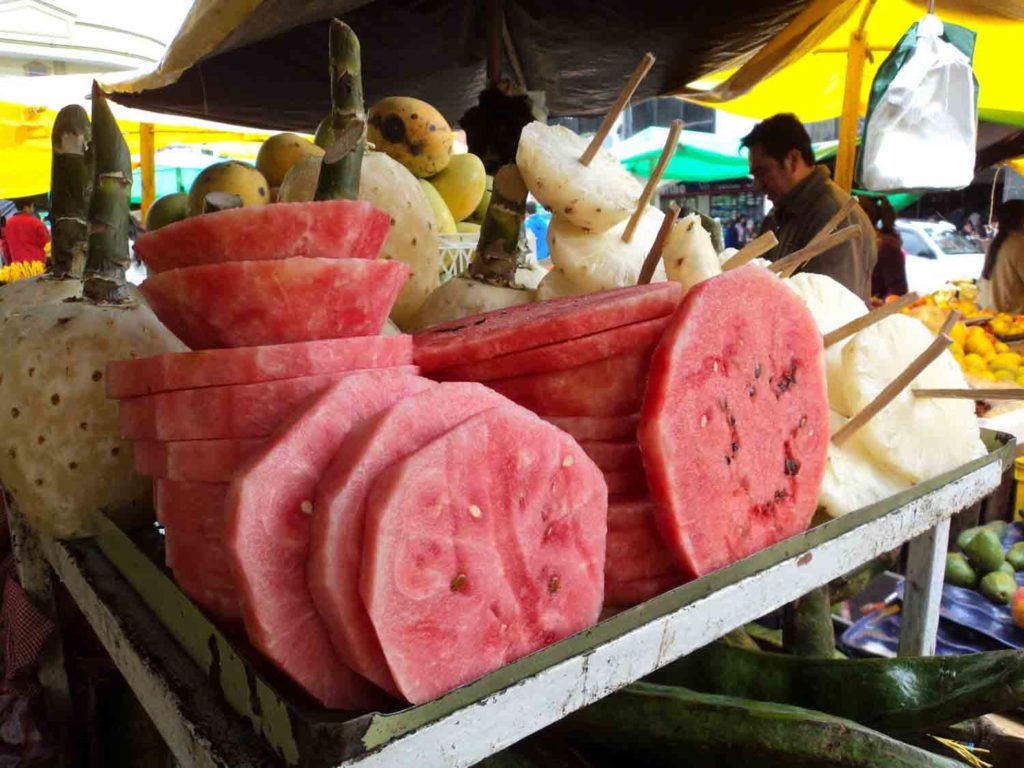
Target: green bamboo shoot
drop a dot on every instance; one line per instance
(497, 251)
(343, 135)
(70, 191)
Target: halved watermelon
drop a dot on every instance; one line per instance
(204, 461)
(615, 342)
(525, 326)
(250, 303)
(246, 365)
(235, 410)
(269, 507)
(611, 456)
(338, 229)
(735, 425)
(336, 548)
(597, 427)
(610, 387)
(626, 594)
(470, 564)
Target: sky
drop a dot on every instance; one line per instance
(159, 19)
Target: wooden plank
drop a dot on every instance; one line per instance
(926, 558)
(185, 707)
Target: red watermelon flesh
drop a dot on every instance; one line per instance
(336, 548)
(612, 456)
(525, 326)
(628, 512)
(610, 387)
(333, 230)
(233, 411)
(626, 483)
(562, 355)
(246, 365)
(251, 303)
(734, 427)
(639, 553)
(193, 517)
(267, 530)
(626, 594)
(597, 427)
(206, 461)
(471, 564)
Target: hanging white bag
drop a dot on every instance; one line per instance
(922, 125)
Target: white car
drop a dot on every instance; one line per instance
(937, 254)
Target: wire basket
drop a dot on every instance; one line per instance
(456, 253)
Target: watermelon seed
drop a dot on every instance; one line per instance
(714, 366)
(735, 448)
(728, 459)
(306, 506)
(703, 421)
(568, 461)
(792, 466)
(474, 511)
(458, 582)
(780, 495)
(757, 370)
(803, 422)
(553, 585)
(751, 390)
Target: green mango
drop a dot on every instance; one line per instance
(999, 587)
(1006, 567)
(985, 551)
(1015, 556)
(959, 572)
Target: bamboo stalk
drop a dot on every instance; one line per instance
(859, 324)
(646, 62)
(654, 255)
(109, 210)
(70, 191)
(759, 246)
(892, 389)
(345, 129)
(1010, 393)
(798, 258)
(652, 183)
(497, 256)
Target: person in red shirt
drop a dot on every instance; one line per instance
(25, 236)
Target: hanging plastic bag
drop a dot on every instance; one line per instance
(922, 123)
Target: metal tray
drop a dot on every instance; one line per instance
(497, 710)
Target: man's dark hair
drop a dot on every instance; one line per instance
(24, 203)
(779, 135)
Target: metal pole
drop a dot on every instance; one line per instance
(147, 165)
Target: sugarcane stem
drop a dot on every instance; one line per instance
(807, 628)
(109, 210)
(497, 257)
(70, 191)
(343, 133)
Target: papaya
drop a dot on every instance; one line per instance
(411, 132)
(467, 228)
(280, 152)
(231, 177)
(657, 725)
(167, 210)
(462, 185)
(442, 215)
(897, 696)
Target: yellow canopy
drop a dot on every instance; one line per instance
(803, 69)
(31, 104)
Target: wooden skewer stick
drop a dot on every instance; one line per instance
(652, 183)
(893, 388)
(759, 246)
(654, 255)
(947, 325)
(624, 96)
(1010, 393)
(798, 258)
(860, 323)
(836, 220)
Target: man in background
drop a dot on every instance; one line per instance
(25, 236)
(804, 199)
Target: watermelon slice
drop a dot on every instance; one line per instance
(565, 354)
(483, 546)
(331, 230)
(336, 548)
(626, 594)
(639, 553)
(246, 365)
(626, 483)
(267, 533)
(525, 326)
(193, 518)
(614, 456)
(204, 461)
(597, 427)
(610, 387)
(734, 427)
(628, 512)
(235, 410)
(249, 303)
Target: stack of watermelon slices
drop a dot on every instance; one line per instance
(580, 363)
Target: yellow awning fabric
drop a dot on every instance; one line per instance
(802, 70)
(26, 119)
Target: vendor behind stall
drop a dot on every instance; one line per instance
(805, 198)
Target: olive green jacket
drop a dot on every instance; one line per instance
(803, 212)
(1008, 275)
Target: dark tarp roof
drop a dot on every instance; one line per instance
(271, 70)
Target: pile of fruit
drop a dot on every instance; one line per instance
(20, 270)
(984, 564)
